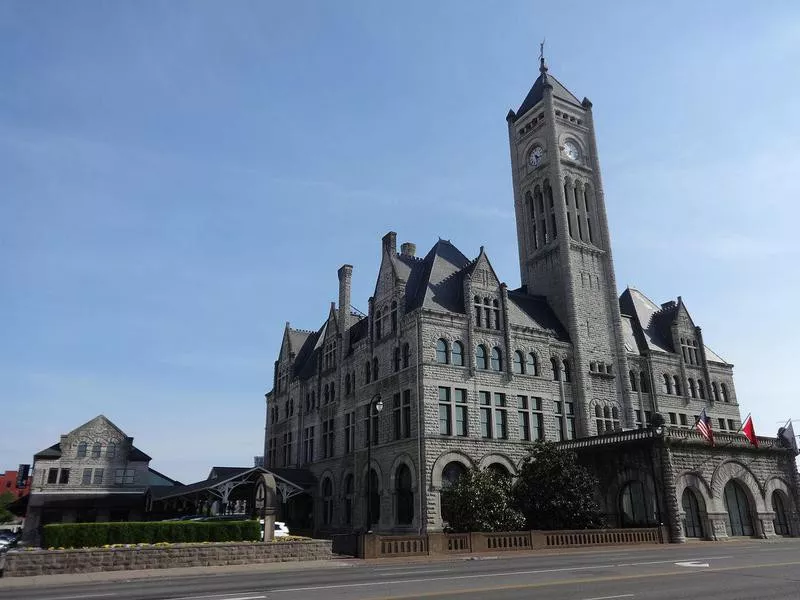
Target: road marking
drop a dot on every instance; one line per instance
(81, 596)
(610, 597)
(599, 579)
(417, 572)
(691, 563)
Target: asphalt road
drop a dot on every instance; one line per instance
(707, 571)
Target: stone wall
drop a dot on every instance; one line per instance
(57, 562)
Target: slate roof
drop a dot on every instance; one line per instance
(439, 281)
(534, 311)
(650, 324)
(536, 94)
(54, 452)
(298, 337)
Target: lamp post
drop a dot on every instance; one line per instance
(376, 403)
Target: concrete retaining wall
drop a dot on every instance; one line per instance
(56, 562)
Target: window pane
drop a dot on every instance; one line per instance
(461, 420)
(524, 426)
(444, 419)
(461, 396)
(500, 424)
(522, 402)
(486, 398)
(444, 394)
(486, 424)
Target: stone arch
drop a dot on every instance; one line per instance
(779, 484)
(733, 469)
(343, 479)
(501, 459)
(378, 471)
(443, 461)
(698, 483)
(402, 459)
(627, 474)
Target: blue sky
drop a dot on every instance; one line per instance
(178, 179)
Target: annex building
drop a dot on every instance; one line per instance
(451, 369)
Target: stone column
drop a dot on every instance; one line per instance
(765, 526)
(671, 513)
(719, 525)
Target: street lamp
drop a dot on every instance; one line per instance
(377, 404)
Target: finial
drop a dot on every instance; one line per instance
(542, 65)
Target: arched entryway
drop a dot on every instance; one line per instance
(451, 473)
(739, 510)
(779, 508)
(500, 469)
(405, 495)
(636, 506)
(692, 520)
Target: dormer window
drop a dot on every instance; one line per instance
(82, 447)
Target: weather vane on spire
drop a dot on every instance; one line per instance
(542, 66)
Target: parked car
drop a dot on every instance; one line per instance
(281, 530)
(8, 540)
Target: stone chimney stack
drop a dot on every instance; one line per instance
(345, 282)
(390, 243)
(408, 249)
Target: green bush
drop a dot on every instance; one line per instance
(92, 535)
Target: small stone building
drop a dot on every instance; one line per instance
(448, 369)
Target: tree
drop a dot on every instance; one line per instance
(480, 500)
(554, 492)
(6, 498)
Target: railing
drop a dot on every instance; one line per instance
(380, 546)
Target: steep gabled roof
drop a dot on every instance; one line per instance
(53, 451)
(536, 94)
(438, 284)
(534, 311)
(297, 337)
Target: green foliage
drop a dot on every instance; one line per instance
(6, 498)
(480, 501)
(91, 535)
(554, 492)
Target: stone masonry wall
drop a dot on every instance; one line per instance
(57, 562)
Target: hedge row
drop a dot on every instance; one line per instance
(92, 535)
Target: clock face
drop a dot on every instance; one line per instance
(571, 150)
(535, 157)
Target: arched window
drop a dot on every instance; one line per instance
(375, 499)
(556, 370)
(346, 388)
(496, 306)
(677, 385)
(779, 508)
(111, 450)
(327, 502)
(405, 356)
(667, 384)
(405, 496)
(327, 394)
(96, 450)
(378, 325)
(394, 317)
(478, 312)
(633, 378)
(367, 372)
(724, 391)
(519, 363)
(82, 448)
(701, 389)
(348, 500)
(692, 388)
(532, 364)
(396, 359)
(497, 359)
(738, 507)
(636, 507)
(481, 360)
(615, 417)
(441, 351)
(692, 521)
(567, 373)
(598, 413)
(457, 354)
(643, 383)
(715, 391)
(375, 369)
(499, 469)
(451, 473)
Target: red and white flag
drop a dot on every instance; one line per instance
(749, 430)
(703, 426)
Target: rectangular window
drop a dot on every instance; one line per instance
(639, 423)
(571, 433)
(500, 419)
(124, 476)
(325, 436)
(52, 476)
(406, 414)
(96, 450)
(524, 417)
(682, 417)
(349, 432)
(331, 437)
(308, 444)
(87, 477)
(461, 412)
(445, 414)
(647, 415)
(63, 476)
(732, 425)
(98, 477)
(397, 417)
(721, 424)
(486, 414)
(673, 419)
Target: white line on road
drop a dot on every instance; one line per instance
(417, 572)
(81, 596)
(610, 597)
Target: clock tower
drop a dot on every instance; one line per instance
(564, 245)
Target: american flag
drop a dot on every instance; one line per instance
(703, 426)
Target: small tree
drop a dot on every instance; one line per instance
(6, 498)
(554, 492)
(480, 500)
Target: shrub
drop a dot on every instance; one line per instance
(92, 535)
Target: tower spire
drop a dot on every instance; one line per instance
(542, 64)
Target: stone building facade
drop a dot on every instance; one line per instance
(468, 372)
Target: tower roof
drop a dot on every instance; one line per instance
(537, 93)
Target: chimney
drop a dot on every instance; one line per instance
(390, 243)
(345, 280)
(408, 249)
